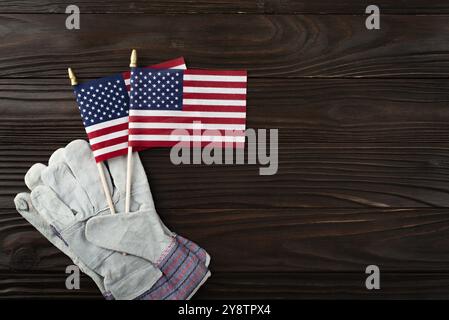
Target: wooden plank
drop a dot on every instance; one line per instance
(275, 240)
(325, 175)
(312, 46)
(403, 111)
(227, 6)
(324, 286)
(44, 286)
(250, 286)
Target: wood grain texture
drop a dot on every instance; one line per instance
(341, 176)
(44, 286)
(329, 46)
(363, 153)
(324, 286)
(411, 111)
(249, 286)
(274, 240)
(227, 6)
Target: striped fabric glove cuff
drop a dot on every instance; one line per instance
(184, 270)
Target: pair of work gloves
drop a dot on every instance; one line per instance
(128, 255)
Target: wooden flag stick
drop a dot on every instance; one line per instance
(129, 168)
(107, 193)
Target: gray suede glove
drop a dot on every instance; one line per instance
(68, 206)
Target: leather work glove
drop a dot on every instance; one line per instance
(67, 205)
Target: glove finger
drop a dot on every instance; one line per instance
(59, 178)
(140, 189)
(137, 233)
(80, 159)
(56, 157)
(33, 175)
(51, 208)
(26, 209)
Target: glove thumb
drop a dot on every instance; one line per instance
(138, 233)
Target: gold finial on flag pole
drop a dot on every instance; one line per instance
(133, 63)
(72, 77)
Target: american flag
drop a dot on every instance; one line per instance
(104, 108)
(198, 107)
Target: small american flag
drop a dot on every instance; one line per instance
(104, 108)
(203, 106)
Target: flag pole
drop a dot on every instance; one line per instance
(129, 169)
(107, 193)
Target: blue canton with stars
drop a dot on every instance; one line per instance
(156, 89)
(102, 100)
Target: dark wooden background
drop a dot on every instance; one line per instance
(363, 132)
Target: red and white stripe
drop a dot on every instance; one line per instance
(214, 111)
(109, 139)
